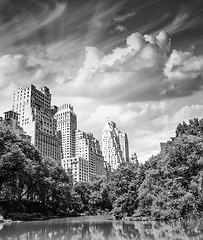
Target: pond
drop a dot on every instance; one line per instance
(100, 228)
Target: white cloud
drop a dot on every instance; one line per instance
(182, 20)
(122, 18)
(37, 68)
(181, 65)
(183, 114)
(120, 28)
(14, 70)
(53, 15)
(19, 28)
(93, 57)
(145, 69)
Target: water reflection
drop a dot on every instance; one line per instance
(99, 228)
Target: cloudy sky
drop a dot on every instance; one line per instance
(139, 62)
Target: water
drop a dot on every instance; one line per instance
(100, 228)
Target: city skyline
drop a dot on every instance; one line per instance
(140, 63)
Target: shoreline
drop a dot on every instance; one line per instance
(29, 217)
(32, 217)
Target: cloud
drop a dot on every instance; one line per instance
(57, 12)
(146, 69)
(180, 64)
(130, 114)
(120, 28)
(14, 67)
(184, 71)
(182, 21)
(183, 114)
(21, 70)
(122, 18)
(27, 24)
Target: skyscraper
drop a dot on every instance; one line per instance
(36, 118)
(67, 125)
(81, 151)
(114, 145)
(87, 147)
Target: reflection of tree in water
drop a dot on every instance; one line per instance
(169, 231)
(56, 230)
(102, 230)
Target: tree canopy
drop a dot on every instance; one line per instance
(167, 186)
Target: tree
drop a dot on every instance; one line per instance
(56, 184)
(28, 182)
(124, 185)
(170, 188)
(99, 196)
(81, 196)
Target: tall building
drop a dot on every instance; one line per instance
(81, 151)
(67, 125)
(36, 118)
(88, 161)
(87, 147)
(114, 145)
(78, 167)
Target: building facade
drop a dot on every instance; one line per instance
(114, 145)
(67, 125)
(81, 152)
(78, 167)
(88, 148)
(35, 116)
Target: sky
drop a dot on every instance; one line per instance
(138, 62)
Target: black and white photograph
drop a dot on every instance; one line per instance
(101, 120)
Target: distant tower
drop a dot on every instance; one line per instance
(35, 117)
(67, 125)
(114, 145)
